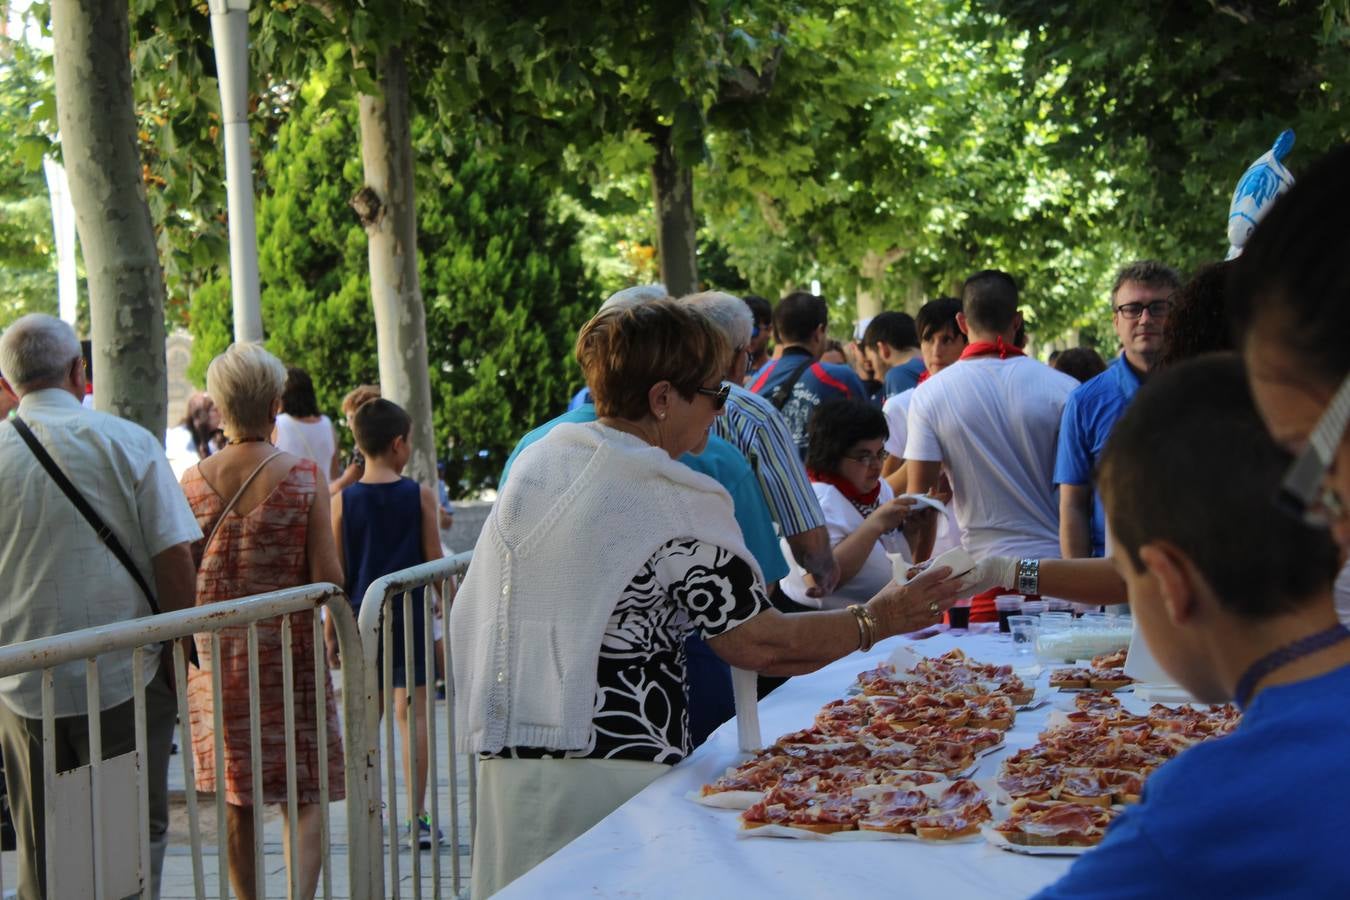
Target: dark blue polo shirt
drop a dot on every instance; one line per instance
(819, 383)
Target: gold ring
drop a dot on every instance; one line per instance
(933, 608)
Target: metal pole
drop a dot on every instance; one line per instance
(229, 31)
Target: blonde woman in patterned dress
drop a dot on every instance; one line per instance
(275, 536)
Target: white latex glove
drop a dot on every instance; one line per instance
(990, 572)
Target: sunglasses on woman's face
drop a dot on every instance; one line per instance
(719, 394)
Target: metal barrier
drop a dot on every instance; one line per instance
(106, 778)
(377, 608)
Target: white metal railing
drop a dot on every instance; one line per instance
(439, 580)
(364, 876)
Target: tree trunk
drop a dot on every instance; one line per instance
(673, 187)
(873, 268)
(387, 210)
(96, 114)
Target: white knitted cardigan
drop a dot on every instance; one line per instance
(585, 508)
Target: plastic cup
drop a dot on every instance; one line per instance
(959, 617)
(1055, 621)
(1095, 620)
(1007, 605)
(1033, 607)
(1023, 630)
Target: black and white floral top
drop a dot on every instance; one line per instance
(640, 708)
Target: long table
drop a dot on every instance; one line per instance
(661, 844)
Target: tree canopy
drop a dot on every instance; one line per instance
(886, 148)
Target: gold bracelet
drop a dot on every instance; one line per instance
(865, 633)
(872, 629)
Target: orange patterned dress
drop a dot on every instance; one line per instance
(262, 550)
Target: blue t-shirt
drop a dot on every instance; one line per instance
(904, 376)
(819, 384)
(1256, 814)
(1089, 415)
(721, 462)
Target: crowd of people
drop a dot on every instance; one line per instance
(730, 491)
(626, 535)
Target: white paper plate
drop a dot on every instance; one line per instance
(786, 831)
(726, 799)
(1003, 843)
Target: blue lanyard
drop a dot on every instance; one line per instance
(1285, 655)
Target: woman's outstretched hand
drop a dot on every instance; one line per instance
(900, 609)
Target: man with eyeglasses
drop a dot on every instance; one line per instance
(1140, 301)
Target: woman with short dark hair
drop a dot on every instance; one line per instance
(600, 555)
(866, 521)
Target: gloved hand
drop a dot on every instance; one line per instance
(990, 572)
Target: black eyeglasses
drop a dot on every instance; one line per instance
(719, 394)
(1157, 309)
(868, 458)
(1304, 491)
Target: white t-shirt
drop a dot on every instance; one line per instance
(311, 440)
(994, 424)
(897, 416)
(842, 519)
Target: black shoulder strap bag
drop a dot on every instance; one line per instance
(783, 393)
(105, 534)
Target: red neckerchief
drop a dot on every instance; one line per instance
(985, 348)
(924, 376)
(865, 503)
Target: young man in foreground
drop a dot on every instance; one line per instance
(1234, 598)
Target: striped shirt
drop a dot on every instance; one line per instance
(758, 430)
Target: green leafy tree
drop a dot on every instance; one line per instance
(27, 245)
(938, 167)
(1181, 96)
(505, 286)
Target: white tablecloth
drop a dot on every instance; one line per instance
(660, 844)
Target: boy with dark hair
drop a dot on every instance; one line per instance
(383, 523)
(940, 343)
(797, 382)
(1233, 596)
(891, 343)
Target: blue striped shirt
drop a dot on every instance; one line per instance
(759, 431)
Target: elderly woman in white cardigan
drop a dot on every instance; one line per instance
(599, 556)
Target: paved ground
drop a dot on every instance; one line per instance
(178, 864)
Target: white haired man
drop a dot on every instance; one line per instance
(61, 576)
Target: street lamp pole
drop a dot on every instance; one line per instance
(229, 31)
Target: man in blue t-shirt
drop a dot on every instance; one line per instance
(797, 382)
(1139, 305)
(891, 343)
(1234, 597)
